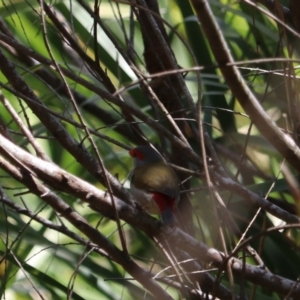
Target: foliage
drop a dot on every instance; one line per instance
(212, 85)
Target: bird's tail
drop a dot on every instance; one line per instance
(168, 217)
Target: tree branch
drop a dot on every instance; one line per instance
(281, 141)
(100, 201)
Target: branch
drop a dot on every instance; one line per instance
(281, 141)
(26, 177)
(55, 127)
(100, 201)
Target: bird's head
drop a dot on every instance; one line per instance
(143, 155)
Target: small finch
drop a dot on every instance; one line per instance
(154, 184)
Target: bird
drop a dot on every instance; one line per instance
(154, 184)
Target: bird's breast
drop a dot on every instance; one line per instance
(157, 178)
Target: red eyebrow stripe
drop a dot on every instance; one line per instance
(138, 154)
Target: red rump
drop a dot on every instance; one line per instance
(163, 201)
(138, 154)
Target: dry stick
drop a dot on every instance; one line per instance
(142, 77)
(72, 280)
(5, 130)
(37, 290)
(39, 151)
(270, 4)
(95, 27)
(282, 142)
(165, 111)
